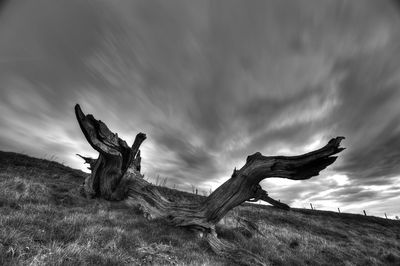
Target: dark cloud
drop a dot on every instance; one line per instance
(369, 115)
(196, 163)
(3, 4)
(376, 181)
(359, 197)
(348, 195)
(192, 157)
(210, 82)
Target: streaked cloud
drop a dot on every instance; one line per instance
(211, 82)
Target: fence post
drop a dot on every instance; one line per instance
(311, 206)
(365, 213)
(385, 215)
(338, 210)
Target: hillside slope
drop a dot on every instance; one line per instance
(45, 221)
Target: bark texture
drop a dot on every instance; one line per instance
(116, 176)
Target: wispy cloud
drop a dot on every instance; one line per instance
(211, 82)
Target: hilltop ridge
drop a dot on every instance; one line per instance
(45, 221)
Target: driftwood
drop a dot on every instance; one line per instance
(116, 176)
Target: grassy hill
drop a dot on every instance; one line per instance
(45, 221)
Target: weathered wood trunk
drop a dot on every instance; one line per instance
(116, 176)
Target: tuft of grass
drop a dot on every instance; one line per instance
(45, 221)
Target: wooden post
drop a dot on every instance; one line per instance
(311, 206)
(338, 210)
(365, 213)
(196, 191)
(385, 215)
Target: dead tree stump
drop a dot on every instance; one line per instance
(116, 176)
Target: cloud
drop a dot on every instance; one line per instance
(210, 83)
(368, 114)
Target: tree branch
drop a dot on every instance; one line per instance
(261, 194)
(89, 161)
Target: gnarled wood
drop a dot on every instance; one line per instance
(115, 156)
(116, 176)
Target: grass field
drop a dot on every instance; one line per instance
(45, 221)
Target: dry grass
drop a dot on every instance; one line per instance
(44, 221)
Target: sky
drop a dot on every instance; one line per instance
(211, 82)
